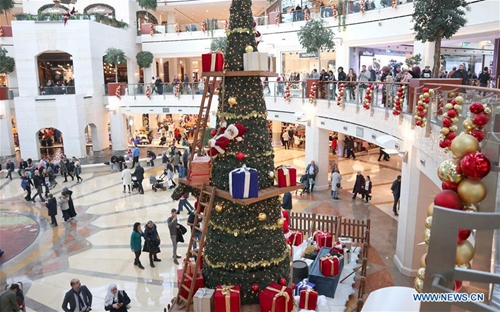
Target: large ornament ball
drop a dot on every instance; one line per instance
(218, 208)
(262, 216)
(447, 122)
(468, 125)
(459, 99)
(481, 119)
(430, 209)
(478, 134)
(464, 144)
(427, 236)
(449, 186)
(280, 222)
(255, 287)
(448, 199)
(419, 285)
(232, 101)
(475, 166)
(476, 108)
(428, 222)
(248, 49)
(213, 132)
(421, 273)
(447, 171)
(423, 260)
(465, 252)
(463, 234)
(283, 281)
(487, 110)
(240, 156)
(472, 191)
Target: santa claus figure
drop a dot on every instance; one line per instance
(286, 223)
(219, 144)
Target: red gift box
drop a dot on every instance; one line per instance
(276, 298)
(198, 283)
(199, 171)
(308, 299)
(287, 176)
(329, 265)
(227, 299)
(212, 62)
(296, 238)
(324, 239)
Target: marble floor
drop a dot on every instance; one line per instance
(95, 247)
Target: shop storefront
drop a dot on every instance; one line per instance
(299, 64)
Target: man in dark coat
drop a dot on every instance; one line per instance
(359, 185)
(51, 205)
(287, 202)
(71, 211)
(396, 192)
(38, 181)
(78, 297)
(139, 174)
(8, 299)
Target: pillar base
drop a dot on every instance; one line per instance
(404, 270)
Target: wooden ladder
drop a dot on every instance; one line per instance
(207, 192)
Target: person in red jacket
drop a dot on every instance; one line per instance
(286, 223)
(334, 145)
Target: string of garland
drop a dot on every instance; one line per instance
(241, 30)
(253, 114)
(237, 232)
(252, 264)
(340, 99)
(268, 153)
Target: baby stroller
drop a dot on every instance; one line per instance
(157, 184)
(20, 296)
(135, 184)
(304, 180)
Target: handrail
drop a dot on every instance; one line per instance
(465, 87)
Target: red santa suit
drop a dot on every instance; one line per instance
(286, 223)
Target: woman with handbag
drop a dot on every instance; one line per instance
(116, 300)
(152, 244)
(336, 178)
(136, 242)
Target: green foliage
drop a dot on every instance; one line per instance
(219, 44)
(51, 5)
(7, 63)
(148, 4)
(314, 36)
(6, 6)
(58, 17)
(144, 59)
(240, 249)
(413, 60)
(114, 56)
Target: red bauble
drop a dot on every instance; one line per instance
(481, 119)
(448, 199)
(255, 287)
(442, 144)
(457, 285)
(463, 234)
(452, 113)
(421, 115)
(476, 108)
(293, 285)
(395, 113)
(283, 281)
(453, 102)
(449, 186)
(447, 122)
(401, 89)
(448, 142)
(451, 136)
(423, 90)
(478, 134)
(213, 132)
(420, 107)
(427, 100)
(240, 156)
(475, 166)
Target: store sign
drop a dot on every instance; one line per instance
(100, 10)
(308, 55)
(367, 53)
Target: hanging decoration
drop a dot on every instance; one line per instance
(287, 96)
(151, 29)
(227, 134)
(1, 32)
(473, 125)
(312, 93)
(394, 4)
(340, 99)
(148, 93)
(258, 35)
(177, 28)
(451, 117)
(118, 92)
(176, 91)
(68, 15)
(368, 97)
(362, 7)
(399, 100)
(421, 107)
(204, 26)
(278, 19)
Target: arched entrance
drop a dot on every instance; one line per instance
(92, 137)
(55, 73)
(50, 142)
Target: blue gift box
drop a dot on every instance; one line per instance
(244, 183)
(324, 285)
(302, 286)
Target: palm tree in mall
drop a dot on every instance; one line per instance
(5, 7)
(114, 57)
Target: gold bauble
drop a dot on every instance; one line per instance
(471, 208)
(426, 95)
(459, 99)
(262, 216)
(416, 117)
(432, 92)
(419, 285)
(455, 120)
(447, 171)
(451, 95)
(453, 129)
(232, 101)
(218, 207)
(430, 209)
(458, 108)
(422, 260)
(444, 131)
(448, 106)
(428, 222)
(472, 191)
(427, 235)
(468, 125)
(465, 266)
(465, 252)
(248, 49)
(421, 273)
(421, 96)
(487, 110)
(235, 234)
(420, 103)
(280, 222)
(464, 144)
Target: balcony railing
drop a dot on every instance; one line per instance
(57, 90)
(103, 19)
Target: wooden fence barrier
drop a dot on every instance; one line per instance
(357, 230)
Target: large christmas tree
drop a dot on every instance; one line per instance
(242, 249)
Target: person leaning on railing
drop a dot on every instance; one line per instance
(364, 76)
(351, 76)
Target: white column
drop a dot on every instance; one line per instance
(170, 17)
(341, 56)
(317, 150)
(276, 128)
(6, 138)
(118, 131)
(340, 144)
(132, 70)
(426, 50)
(416, 194)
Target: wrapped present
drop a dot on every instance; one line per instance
(296, 238)
(198, 283)
(227, 299)
(325, 285)
(212, 62)
(308, 299)
(338, 247)
(287, 176)
(191, 267)
(329, 265)
(303, 285)
(324, 239)
(346, 241)
(244, 183)
(276, 298)
(199, 171)
(203, 300)
(255, 61)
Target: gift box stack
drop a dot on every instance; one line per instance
(287, 176)
(326, 284)
(212, 62)
(203, 300)
(276, 298)
(329, 265)
(199, 171)
(296, 238)
(323, 239)
(198, 283)
(244, 183)
(308, 299)
(227, 299)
